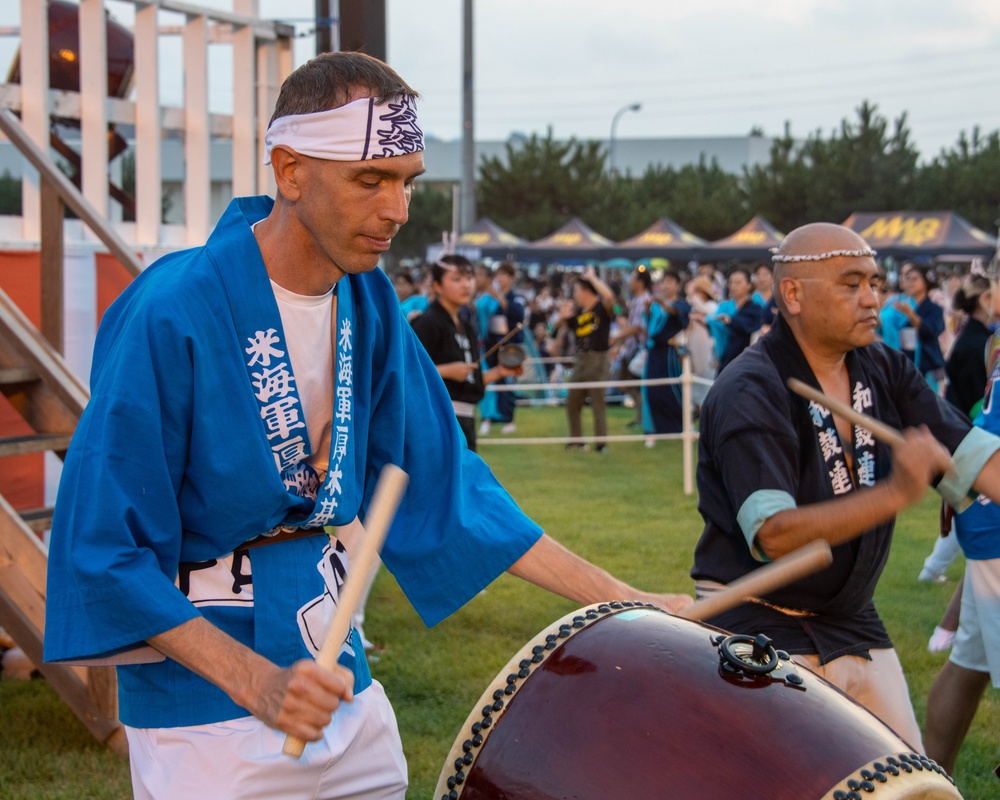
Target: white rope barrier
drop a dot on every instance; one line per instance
(631, 437)
(688, 434)
(540, 387)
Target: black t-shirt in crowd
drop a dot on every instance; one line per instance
(446, 344)
(592, 329)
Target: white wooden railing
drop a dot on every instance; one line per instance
(261, 58)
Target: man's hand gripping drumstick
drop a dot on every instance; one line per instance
(917, 459)
(363, 560)
(884, 433)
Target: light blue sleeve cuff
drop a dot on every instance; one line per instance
(756, 510)
(970, 457)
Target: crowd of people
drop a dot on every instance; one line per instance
(587, 329)
(646, 322)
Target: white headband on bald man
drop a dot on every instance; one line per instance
(358, 131)
(859, 253)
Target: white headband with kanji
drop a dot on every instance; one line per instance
(362, 129)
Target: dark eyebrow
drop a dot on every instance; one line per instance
(372, 169)
(857, 273)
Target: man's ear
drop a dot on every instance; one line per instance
(790, 290)
(287, 168)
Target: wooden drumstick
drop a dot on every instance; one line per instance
(388, 493)
(499, 344)
(789, 568)
(881, 431)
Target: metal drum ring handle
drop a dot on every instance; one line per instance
(764, 656)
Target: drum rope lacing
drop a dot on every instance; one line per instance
(868, 778)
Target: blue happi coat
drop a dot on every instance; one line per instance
(176, 462)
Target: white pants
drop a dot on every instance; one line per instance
(879, 685)
(946, 549)
(977, 642)
(360, 757)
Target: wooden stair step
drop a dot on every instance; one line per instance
(34, 443)
(38, 519)
(13, 376)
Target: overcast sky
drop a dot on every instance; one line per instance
(711, 67)
(699, 68)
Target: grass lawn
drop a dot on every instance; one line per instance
(626, 511)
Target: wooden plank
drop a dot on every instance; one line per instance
(246, 157)
(34, 56)
(35, 443)
(44, 411)
(40, 160)
(268, 85)
(14, 376)
(19, 334)
(65, 680)
(53, 211)
(197, 169)
(149, 189)
(23, 564)
(93, 111)
(102, 688)
(92, 693)
(38, 519)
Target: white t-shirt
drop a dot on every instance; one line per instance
(308, 324)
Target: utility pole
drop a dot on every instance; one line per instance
(362, 26)
(324, 27)
(468, 192)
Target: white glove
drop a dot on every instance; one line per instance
(940, 640)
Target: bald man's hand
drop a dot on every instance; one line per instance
(916, 463)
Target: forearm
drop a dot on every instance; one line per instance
(453, 371)
(217, 657)
(837, 521)
(551, 566)
(497, 374)
(299, 700)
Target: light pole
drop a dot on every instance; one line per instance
(614, 125)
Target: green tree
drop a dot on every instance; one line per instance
(708, 201)
(128, 186)
(10, 195)
(965, 179)
(542, 184)
(861, 167)
(778, 189)
(700, 197)
(430, 215)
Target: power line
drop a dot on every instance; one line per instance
(741, 76)
(787, 99)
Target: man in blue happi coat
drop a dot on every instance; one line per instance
(245, 395)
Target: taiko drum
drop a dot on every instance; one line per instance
(621, 700)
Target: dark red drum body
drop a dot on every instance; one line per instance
(625, 701)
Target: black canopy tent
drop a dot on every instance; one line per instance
(486, 239)
(663, 239)
(574, 242)
(753, 241)
(915, 234)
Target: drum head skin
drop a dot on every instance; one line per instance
(621, 700)
(511, 356)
